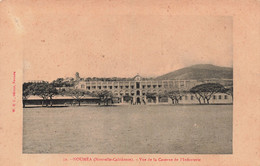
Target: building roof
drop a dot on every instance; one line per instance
(33, 97)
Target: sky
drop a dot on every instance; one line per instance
(60, 41)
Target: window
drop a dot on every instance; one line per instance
(170, 84)
(137, 85)
(159, 86)
(110, 87)
(126, 86)
(121, 87)
(99, 87)
(191, 97)
(219, 97)
(148, 86)
(154, 86)
(143, 86)
(226, 97)
(138, 92)
(105, 87)
(132, 87)
(115, 87)
(88, 87)
(94, 87)
(182, 83)
(214, 97)
(180, 97)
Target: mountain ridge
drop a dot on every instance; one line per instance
(199, 72)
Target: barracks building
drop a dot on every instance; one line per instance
(137, 88)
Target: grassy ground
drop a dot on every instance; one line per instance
(138, 129)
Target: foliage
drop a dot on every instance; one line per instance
(175, 95)
(105, 96)
(151, 95)
(229, 91)
(128, 98)
(42, 89)
(205, 91)
(61, 82)
(27, 90)
(77, 94)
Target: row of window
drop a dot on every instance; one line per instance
(121, 87)
(141, 83)
(181, 98)
(214, 97)
(219, 97)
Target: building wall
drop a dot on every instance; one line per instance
(138, 88)
(60, 101)
(219, 98)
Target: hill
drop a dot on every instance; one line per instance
(199, 72)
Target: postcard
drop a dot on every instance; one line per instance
(129, 83)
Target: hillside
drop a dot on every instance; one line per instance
(199, 72)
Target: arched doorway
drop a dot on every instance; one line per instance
(138, 101)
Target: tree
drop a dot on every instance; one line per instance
(205, 91)
(128, 98)
(175, 95)
(44, 90)
(59, 82)
(76, 94)
(27, 91)
(39, 89)
(198, 97)
(229, 91)
(105, 96)
(151, 95)
(52, 91)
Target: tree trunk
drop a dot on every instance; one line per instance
(172, 101)
(51, 101)
(47, 103)
(208, 101)
(177, 101)
(199, 101)
(198, 98)
(204, 100)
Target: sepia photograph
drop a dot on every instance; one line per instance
(127, 84)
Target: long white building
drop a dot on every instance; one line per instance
(137, 88)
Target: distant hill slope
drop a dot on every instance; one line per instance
(198, 72)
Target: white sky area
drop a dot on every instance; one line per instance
(59, 43)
